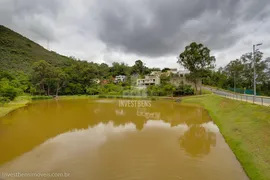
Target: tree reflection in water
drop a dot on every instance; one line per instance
(197, 141)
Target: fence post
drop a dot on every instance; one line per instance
(262, 100)
(241, 97)
(246, 98)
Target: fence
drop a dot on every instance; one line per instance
(243, 91)
(263, 100)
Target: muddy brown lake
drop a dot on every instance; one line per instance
(106, 139)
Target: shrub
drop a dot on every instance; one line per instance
(92, 91)
(7, 90)
(3, 100)
(41, 97)
(183, 90)
(113, 93)
(102, 96)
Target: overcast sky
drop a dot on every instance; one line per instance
(155, 31)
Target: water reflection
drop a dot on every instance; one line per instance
(76, 149)
(47, 119)
(110, 151)
(198, 140)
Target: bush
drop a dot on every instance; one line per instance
(188, 90)
(3, 100)
(102, 96)
(92, 91)
(41, 97)
(113, 93)
(7, 90)
(183, 90)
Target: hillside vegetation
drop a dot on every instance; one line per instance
(17, 53)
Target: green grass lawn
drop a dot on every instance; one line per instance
(246, 129)
(17, 103)
(205, 91)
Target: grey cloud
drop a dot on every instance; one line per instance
(32, 7)
(35, 17)
(146, 28)
(125, 28)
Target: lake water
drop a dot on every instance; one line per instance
(113, 140)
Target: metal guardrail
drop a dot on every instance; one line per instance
(263, 100)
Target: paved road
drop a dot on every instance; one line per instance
(263, 100)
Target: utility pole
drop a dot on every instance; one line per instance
(254, 70)
(234, 84)
(254, 74)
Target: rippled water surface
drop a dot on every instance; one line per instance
(115, 139)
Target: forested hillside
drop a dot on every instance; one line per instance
(19, 53)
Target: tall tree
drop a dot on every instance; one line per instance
(261, 65)
(42, 73)
(119, 69)
(60, 79)
(197, 59)
(139, 68)
(104, 70)
(235, 73)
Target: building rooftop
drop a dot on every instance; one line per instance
(183, 71)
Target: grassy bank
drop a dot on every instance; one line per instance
(17, 103)
(246, 129)
(205, 91)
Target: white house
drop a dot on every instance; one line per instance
(182, 73)
(97, 81)
(170, 71)
(120, 78)
(148, 80)
(155, 73)
(174, 71)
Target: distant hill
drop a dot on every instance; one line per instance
(18, 53)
